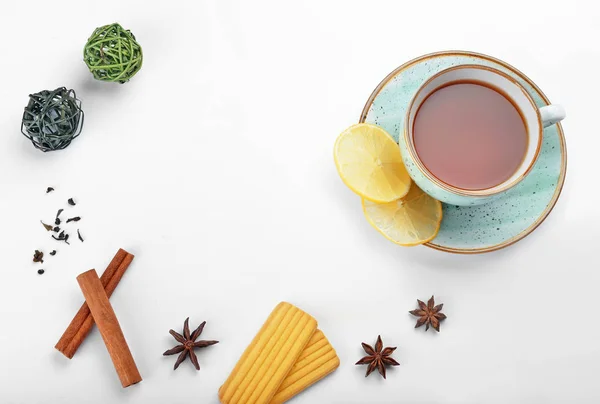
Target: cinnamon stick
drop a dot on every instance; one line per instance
(83, 321)
(108, 325)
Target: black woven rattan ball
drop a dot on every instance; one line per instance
(52, 119)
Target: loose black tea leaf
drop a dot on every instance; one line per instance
(57, 221)
(41, 271)
(38, 256)
(71, 202)
(63, 238)
(56, 229)
(49, 189)
(79, 235)
(53, 252)
(73, 219)
(46, 226)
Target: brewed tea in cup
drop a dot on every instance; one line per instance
(471, 133)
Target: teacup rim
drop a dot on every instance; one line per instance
(450, 188)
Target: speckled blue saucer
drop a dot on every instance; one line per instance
(498, 224)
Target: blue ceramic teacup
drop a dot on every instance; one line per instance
(535, 120)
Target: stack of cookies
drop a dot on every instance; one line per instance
(288, 355)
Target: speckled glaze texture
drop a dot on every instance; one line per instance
(512, 215)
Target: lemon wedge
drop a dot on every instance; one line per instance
(370, 163)
(412, 220)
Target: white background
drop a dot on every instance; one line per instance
(214, 167)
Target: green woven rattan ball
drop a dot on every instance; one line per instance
(113, 54)
(52, 119)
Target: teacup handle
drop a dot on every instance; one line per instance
(552, 114)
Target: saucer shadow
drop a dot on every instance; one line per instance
(446, 261)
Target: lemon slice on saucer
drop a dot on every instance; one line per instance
(412, 220)
(370, 163)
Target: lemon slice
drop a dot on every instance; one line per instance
(370, 163)
(412, 220)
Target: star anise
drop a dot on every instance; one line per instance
(377, 358)
(429, 314)
(188, 343)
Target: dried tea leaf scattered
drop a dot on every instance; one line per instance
(41, 271)
(57, 220)
(61, 237)
(53, 252)
(60, 234)
(49, 189)
(38, 256)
